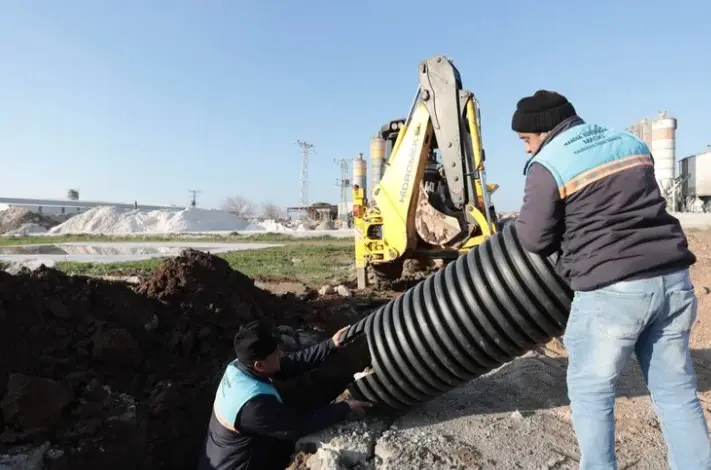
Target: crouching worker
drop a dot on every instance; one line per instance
(251, 428)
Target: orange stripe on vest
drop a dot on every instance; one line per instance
(596, 174)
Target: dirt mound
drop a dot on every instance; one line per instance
(61, 339)
(50, 321)
(15, 217)
(116, 376)
(204, 286)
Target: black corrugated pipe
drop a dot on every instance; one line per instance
(488, 307)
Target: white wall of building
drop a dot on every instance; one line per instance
(64, 207)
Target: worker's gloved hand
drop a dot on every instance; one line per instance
(358, 406)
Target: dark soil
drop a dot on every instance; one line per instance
(116, 376)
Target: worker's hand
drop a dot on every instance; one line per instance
(358, 407)
(337, 337)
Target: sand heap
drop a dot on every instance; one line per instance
(27, 229)
(114, 220)
(120, 377)
(15, 219)
(269, 225)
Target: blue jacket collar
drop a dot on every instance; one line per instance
(555, 132)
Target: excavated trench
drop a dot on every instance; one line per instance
(117, 376)
(483, 310)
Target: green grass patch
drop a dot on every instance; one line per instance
(314, 262)
(285, 237)
(234, 237)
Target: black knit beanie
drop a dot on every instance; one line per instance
(254, 342)
(541, 112)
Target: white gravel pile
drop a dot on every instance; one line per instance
(14, 218)
(113, 220)
(269, 225)
(27, 229)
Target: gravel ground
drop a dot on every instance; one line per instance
(516, 417)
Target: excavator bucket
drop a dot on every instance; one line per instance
(492, 187)
(433, 226)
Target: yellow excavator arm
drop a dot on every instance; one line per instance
(432, 200)
(394, 196)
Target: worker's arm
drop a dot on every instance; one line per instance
(540, 223)
(295, 364)
(266, 416)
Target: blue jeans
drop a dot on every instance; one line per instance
(651, 318)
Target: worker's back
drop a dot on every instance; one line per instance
(233, 449)
(616, 225)
(227, 450)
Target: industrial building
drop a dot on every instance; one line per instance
(689, 188)
(318, 211)
(695, 176)
(65, 206)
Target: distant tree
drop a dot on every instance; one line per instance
(73, 195)
(272, 211)
(239, 206)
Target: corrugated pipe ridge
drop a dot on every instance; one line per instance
(488, 307)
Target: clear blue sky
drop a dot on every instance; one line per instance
(147, 99)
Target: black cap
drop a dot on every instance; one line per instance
(541, 112)
(254, 342)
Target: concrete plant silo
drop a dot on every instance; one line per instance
(359, 173)
(664, 149)
(643, 130)
(377, 160)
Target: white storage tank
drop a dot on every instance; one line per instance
(643, 130)
(359, 173)
(664, 149)
(377, 161)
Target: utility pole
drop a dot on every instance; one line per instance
(193, 199)
(305, 149)
(344, 184)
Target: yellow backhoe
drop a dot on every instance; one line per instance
(429, 197)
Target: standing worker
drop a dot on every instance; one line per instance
(250, 427)
(591, 192)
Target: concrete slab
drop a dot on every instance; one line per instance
(348, 445)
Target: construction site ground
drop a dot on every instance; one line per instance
(98, 373)
(518, 416)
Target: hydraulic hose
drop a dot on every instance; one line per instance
(479, 312)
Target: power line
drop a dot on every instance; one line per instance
(344, 184)
(305, 149)
(193, 199)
